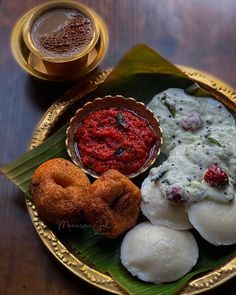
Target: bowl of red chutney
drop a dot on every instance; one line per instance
(114, 132)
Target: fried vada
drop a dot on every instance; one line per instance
(115, 204)
(59, 191)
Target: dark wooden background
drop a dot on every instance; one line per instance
(197, 33)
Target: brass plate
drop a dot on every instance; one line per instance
(34, 65)
(195, 286)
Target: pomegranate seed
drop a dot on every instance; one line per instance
(215, 176)
(177, 194)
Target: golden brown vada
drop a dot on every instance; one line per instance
(115, 204)
(59, 191)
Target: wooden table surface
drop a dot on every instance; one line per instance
(197, 33)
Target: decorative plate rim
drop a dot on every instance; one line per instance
(208, 281)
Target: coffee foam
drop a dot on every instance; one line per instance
(52, 22)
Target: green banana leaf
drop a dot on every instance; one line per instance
(141, 74)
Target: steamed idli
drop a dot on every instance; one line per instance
(172, 187)
(215, 222)
(158, 254)
(159, 210)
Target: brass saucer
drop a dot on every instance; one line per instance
(34, 65)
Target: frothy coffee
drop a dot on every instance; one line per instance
(62, 32)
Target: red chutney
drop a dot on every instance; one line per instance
(114, 139)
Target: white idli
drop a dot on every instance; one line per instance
(159, 210)
(183, 172)
(215, 222)
(158, 254)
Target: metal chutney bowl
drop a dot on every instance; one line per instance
(121, 103)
